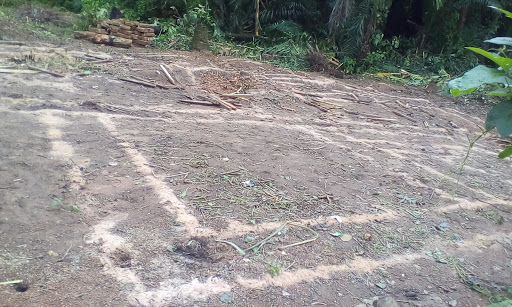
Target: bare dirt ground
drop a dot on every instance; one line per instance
(334, 191)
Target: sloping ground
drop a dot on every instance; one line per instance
(337, 191)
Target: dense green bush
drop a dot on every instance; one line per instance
(422, 37)
(500, 77)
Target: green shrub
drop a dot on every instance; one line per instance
(500, 76)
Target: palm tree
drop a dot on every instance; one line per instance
(352, 23)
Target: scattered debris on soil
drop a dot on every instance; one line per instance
(308, 191)
(321, 63)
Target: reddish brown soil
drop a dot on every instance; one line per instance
(158, 183)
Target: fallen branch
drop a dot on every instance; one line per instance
(379, 119)
(330, 103)
(99, 61)
(178, 175)
(307, 94)
(150, 82)
(200, 102)
(94, 56)
(167, 74)
(356, 100)
(301, 242)
(404, 116)
(316, 106)
(12, 43)
(46, 71)
(236, 95)
(401, 104)
(138, 82)
(256, 247)
(288, 109)
(223, 103)
(369, 116)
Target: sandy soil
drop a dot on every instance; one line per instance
(335, 191)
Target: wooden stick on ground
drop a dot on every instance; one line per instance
(168, 75)
(236, 95)
(404, 116)
(380, 119)
(313, 104)
(307, 94)
(46, 71)
(150, 82)
(138, 82)
(370, 116)
(94, 56)
(100, 61)
(225, 104)
(12, 43)
(200, 102)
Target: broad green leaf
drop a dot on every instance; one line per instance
(500, 117)
(509, 14)
(503, 62)
(478, 76)
(500, 41)
(507, 303)
(456, 93)
(506, 153)
(501, 92)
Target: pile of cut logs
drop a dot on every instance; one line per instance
(119, 33)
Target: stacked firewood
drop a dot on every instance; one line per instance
(119, 32)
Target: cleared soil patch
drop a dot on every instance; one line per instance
(334, 191)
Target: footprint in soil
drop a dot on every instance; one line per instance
(121, 258)
(195, 247)
(21, 287)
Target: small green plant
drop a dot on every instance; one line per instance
(500, 78)
(274, 270)
(56, 201)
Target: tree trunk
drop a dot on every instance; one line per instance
(463, 15)
(257, 19)
(200, 38)
(367, 37)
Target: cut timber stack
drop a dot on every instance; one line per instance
(140, 33)
(119, 33)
